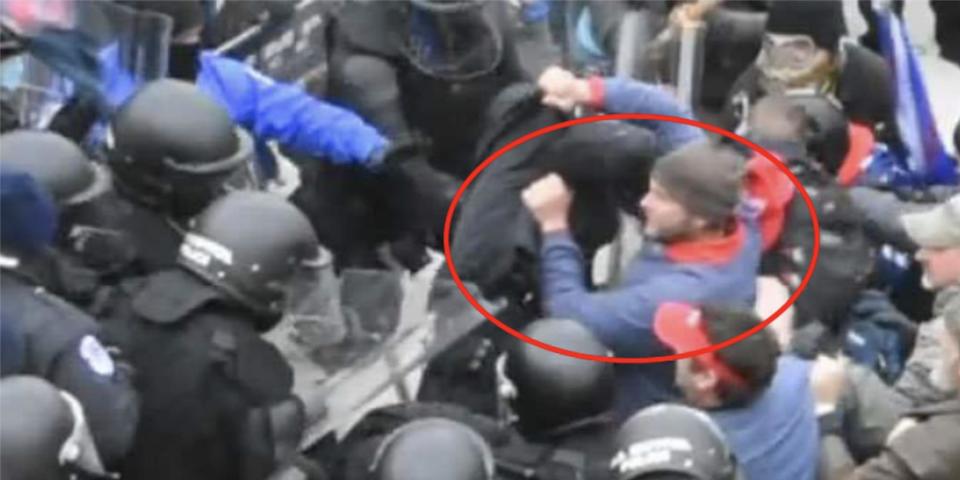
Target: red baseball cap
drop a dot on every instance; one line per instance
(680, 327)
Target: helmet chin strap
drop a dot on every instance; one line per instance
(78, 451)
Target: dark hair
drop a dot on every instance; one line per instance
(774, 118)
(753, 358)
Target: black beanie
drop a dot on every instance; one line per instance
(705, 178)
(821, 19)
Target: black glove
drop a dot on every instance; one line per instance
(402, 149)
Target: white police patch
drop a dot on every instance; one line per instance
(96, 356)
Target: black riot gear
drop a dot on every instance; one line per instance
(452, 39)
(552, 390)
(62, 345)
(216, 397)
(676, 439)
(79, 188)
(174, 148)
(58, 164)
(44, 432)
(214, 391)
(76, 184)
(802, 123)
(256, 248)
(827, 129)
(433, 448)
(406, 67)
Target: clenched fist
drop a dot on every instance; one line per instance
(549, 200)
(563, 90)
(828, 380)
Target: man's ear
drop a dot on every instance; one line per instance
(705, 380)
(699, 223)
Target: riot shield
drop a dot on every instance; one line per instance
(289, 48)
(93, 45)
(381, 330)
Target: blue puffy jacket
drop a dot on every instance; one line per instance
(287, 114)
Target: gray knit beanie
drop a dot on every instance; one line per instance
(707, 179)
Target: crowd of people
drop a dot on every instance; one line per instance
(147, 245)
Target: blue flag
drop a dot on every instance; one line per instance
(927, 162)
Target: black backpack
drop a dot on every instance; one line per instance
(846, 256)
(495, 242)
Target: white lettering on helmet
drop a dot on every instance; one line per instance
(201, 249)
(649, 452)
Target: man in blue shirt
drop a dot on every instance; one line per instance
(761, 400)
(702, 244)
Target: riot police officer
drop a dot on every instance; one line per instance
(78, 186)
(560, 404)
(672, 441)
(408, 67)
(44, 433)
(59, 342)
(553, 422)
(217, 401)
(455, 452)
(172, 151)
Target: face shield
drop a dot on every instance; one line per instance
(309, 294)
(350, 372)
(361, 312)
(182, 187)
(453, 40)
(197, 184)
(93, 50)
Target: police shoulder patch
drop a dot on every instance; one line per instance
(96, 356)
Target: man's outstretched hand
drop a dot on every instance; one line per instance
(549, 199)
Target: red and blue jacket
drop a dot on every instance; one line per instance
(720, 270)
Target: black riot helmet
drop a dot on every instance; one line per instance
(453, 39)
(80, 188)
(814, 121)
(174, 148)
(433, 448)
(672, 439)
(58, 164)
(827, 128)
(548, 389)
(259, 250)
(44, 433)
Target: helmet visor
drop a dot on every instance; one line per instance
(453, 42)
(308, 297)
